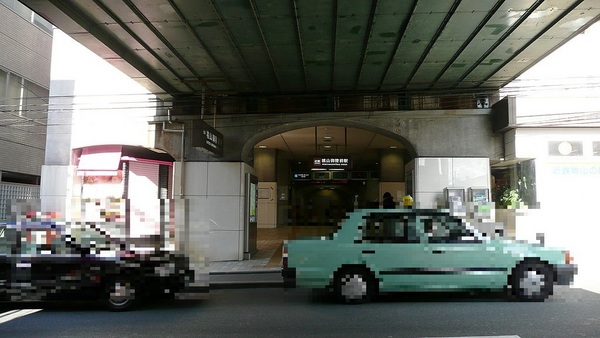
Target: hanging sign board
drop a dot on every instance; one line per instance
(207, 138)
(332, 162)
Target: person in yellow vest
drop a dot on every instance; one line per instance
(407, 201)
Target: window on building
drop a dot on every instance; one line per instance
(28, 15)
(35, 100)
(596, 148)
(13, 89)
(3, 79)
(516, 181)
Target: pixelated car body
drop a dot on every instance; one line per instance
(387, 250)
(42, 263)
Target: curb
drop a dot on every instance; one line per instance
(268, 278)
(246, 272)
(245, 285)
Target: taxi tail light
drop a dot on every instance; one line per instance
(284, 255)
(126, 254)
(568, 257)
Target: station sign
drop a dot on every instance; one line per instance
(301, 176)
(207, 138)
(332, 162)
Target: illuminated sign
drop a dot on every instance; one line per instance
(301, 176)
(332, 162)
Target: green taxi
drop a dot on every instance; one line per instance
(387, 250)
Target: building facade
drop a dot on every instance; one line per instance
(25, 52)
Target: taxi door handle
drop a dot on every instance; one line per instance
(368, 251)
(438, 251)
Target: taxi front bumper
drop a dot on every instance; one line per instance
(564, 274)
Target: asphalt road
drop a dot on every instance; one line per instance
(263, 312)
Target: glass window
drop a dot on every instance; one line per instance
(3, 76)
(596, 148)
(13, 93)
(35, 100)
(445, 229)
(43, 242)
(390, 228)
(8, 241)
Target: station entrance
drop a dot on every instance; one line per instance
(312, 176)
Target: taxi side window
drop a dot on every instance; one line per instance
(43, 242)
(389, 228)
(8, 241)
(441, 229)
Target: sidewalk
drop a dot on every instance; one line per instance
(263, 269)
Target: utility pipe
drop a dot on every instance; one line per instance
(182, 157)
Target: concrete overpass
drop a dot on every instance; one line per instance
(250, 48)
(422, 73)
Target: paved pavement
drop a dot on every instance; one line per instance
(263, 269)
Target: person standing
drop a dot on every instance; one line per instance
(388, 201)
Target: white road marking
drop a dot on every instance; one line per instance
(14, 314)
(480, 337)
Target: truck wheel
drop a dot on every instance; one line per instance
(355, 285)
(532, 281)
(120, 295)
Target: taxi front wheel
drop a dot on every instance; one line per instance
(354, 285)
(532, 281)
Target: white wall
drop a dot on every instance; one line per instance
(216, 193)
(434, 174)
(267, 204)
(568, 189)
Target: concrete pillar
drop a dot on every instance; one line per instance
(391, 163)
(265, 165)
(215, 195)
(283, 190)
(57, 173)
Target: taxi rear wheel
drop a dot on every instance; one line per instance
(532, 281)
(355, 285)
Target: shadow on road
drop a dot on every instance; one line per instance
(323, 296)
(97, 306)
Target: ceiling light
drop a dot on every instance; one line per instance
(393, 147)
(327, 147)
(327, 138)
(262, 147)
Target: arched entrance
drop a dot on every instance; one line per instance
(251, 143)
(318, 172)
